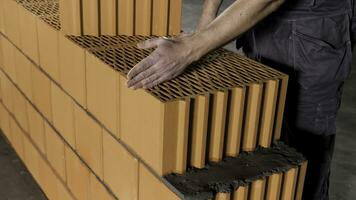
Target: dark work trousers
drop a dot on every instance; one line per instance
(316, 53)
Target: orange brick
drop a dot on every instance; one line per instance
(23, 73)
(2, 26)
(48, 49)
(89, 140)
(11, 21)
(55, 151)
(126, 17)
(108, 13)
(5, 121)
(77, 175)
(102, 88)
(90, 15)
(32, 158)
(9, 58)
(150, 187)
(47, 180)
(72, 69)
(20, 110)
(16, 138)
(1, 53)
(175, 17)
(152, 128)
(97, 190)
(120, 169)
(28, 34)
(41, 91)
(36, 128)
(70, 16)
(6, 92)
(143, 17)
(63, 192)
(63, 114)
(160, 17)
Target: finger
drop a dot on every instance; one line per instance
(142, 76)
(156, 81)
(150, 43)
(141, 66)
(147, 80)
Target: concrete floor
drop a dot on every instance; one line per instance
(17, 184)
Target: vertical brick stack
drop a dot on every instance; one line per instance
(84, 135)
(123, 17)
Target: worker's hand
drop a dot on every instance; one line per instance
(168, 60)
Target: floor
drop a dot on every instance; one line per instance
(17, 184)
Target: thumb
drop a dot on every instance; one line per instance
(150, 43)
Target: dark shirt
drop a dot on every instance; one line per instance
(309, 8)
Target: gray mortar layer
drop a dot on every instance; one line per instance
(228, 175)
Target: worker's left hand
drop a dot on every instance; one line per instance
(168, 60)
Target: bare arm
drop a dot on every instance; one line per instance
(172, 56)
(209, 12)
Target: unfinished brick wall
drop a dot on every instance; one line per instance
(66, 110)
(120, 17)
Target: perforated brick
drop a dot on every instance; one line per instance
(8, 51)
(77, 175)
(63, 114)
(55, 151)
(72, 69)
(108, 14)
(41, 91)
(47, 180)
(48, 47)
(20, 110)
(90, 13)
(32, 159)
(2, 25)
(125, 17)
(70, 17)
(23, 69)
(11, 21)
(1, 52)
(6, 92)
(150, 187)
(36, 128)
(28, 34)
(5, 121)
(16, 138)
(63, 192)
(102, 86)
(89, 140)
(97, 190)
(120, 169)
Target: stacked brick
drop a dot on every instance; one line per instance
(123, 17)
(66, 109)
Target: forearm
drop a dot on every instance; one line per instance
(234, 21)
(209, 12)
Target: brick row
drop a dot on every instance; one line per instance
(97, 154)
(277, 186)
(123, 17)
(214, 124)
(208, 126)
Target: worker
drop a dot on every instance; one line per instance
(308, 39)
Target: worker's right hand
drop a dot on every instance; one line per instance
(169, 59)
